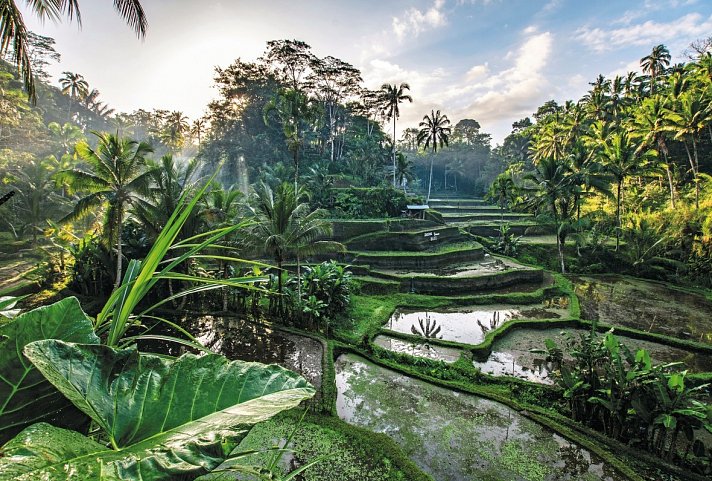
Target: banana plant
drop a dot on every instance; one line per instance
(161, 419)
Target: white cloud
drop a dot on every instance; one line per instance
(415, 21)
(493, 97)
(645, 34)
(517, 90)
(476, 72)
(552, 5)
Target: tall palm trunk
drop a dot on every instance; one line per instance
(693, 165)
(618, 213)
(394, 151)
(430, 181)
(279, 287)
(671, 184)
(119, 222)
(559, 240)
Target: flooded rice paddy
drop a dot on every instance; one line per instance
(428, 351)
(470, 324)
(645, 305)
(456, 436)
(511, 354)
(247, 341)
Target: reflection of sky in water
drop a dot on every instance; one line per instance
(469, 325)
(429, 351)
(505, 364)
(247, 341)
(455, 326)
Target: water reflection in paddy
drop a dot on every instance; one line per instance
(429, 351)
(247, 341)
(470, 324)
(456, 436)
(511, 355)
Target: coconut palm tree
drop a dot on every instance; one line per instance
(622, 158)
(14, 35)
(552, 188)
(285, 226)
(404, 169)
(650, 125)
(390, 97)
(655, 64)
(116, 176)
(74, 86)
(296, 112)
(198, 129)
(175, 127)
(686, 120)
(434, 130)
(502, 191)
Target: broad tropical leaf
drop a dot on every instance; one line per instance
(166, 419)
(25, 396)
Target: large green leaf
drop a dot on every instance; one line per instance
(25, 396)
(167, 419)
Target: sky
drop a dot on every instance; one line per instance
(495, 61)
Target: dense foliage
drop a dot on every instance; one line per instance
(622, 393)
(629, 162)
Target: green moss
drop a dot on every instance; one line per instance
(351, 453)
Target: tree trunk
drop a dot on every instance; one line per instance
(430, 182)
(670, 183)
(394, 151)
(618, 214)
(225, 288)
(296, 169)
(118, 247)
(299, 277)
(560, 247)
(279, 287)
(696, 171)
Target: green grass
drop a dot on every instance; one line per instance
(441, 249)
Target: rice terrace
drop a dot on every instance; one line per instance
(415, 240)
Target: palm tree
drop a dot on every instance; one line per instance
(689, 117)
(655, 64)
(73, 85)
(117, 176)
(649, 124)
(404, 169)
(434, 130)
(296, 112)
(14, 36)
(220, 210)
(91, 101)
(198, 128)
(554, 191)
(170, 181)
(285, 226)
(390, 97)
(622, 158)
(174, 128)
(502, 191)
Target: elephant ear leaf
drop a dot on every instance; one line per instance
(26, 397)
(165, 419)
